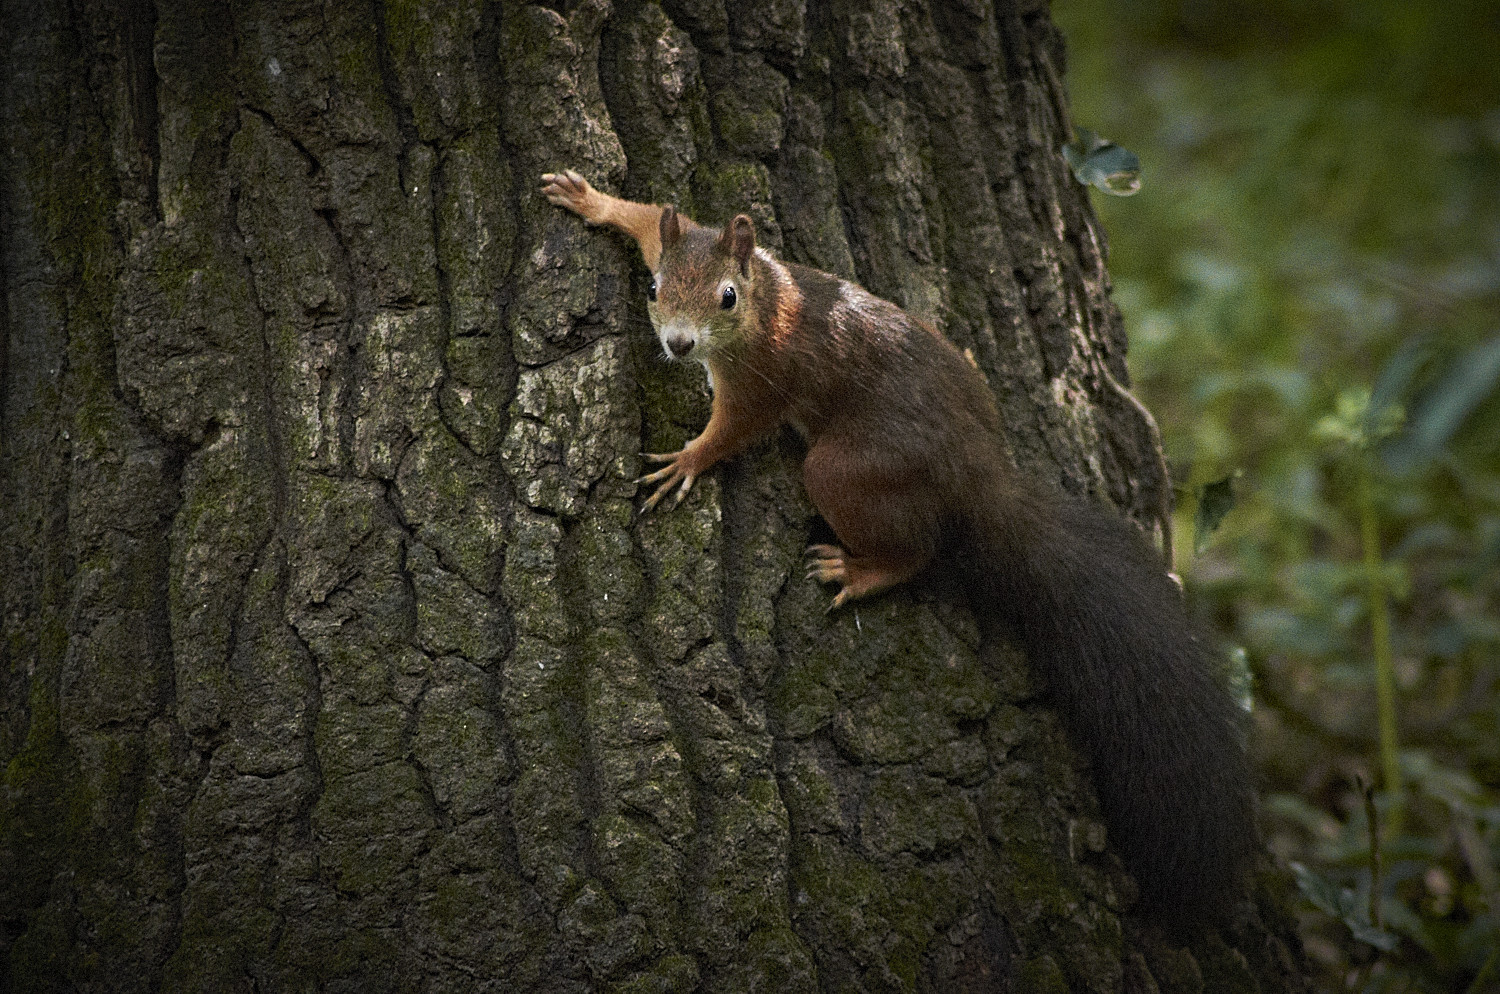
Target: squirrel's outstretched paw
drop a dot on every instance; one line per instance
(568, 189)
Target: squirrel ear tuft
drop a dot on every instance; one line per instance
(671, 227)
(739, 240)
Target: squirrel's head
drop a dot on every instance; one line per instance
(702, 295)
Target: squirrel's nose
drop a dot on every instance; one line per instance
(680, 345)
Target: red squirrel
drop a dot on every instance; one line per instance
(906, 462)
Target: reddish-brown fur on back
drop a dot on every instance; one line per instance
(906, 463)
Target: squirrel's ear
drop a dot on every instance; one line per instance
(671, 227)
(739, 240)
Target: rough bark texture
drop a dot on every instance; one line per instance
(335, 655)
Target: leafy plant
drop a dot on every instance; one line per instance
(1311, 283)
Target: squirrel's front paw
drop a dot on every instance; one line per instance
(674, 475)
(570, 190)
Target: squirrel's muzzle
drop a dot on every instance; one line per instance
(678, 343)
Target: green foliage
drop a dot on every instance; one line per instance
(1214, 500)
(1346, 904)
(1100, 163)
(1311, 282)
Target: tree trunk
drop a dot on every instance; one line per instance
(336, 655)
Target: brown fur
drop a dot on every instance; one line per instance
(906, 463)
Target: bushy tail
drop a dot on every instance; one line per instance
(1105, 627)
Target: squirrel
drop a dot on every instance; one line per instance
(906, 462)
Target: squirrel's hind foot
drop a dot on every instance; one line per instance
(858, 576)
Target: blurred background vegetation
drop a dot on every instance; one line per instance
(1310, 276)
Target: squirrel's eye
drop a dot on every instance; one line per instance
(728, 299)
(651, 290)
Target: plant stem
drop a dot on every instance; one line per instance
(1380, 639)
(1372, 819)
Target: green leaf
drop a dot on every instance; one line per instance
(1327, 896)
(1099, 162)
(1364, 932)
(1349, 906)
(1454, 787)
(1396, 376)
(1215, 500)
(1443, 410)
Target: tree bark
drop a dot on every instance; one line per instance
(335, 653)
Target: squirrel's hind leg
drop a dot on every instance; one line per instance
(881, 512)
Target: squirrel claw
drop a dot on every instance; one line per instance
(679, 472)
(567, 189)
(653, 477)
(655, 498)
(672, 472)
(826, 565)
(826, 570)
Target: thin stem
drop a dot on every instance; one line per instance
(1373, 824)
(1380, 637)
